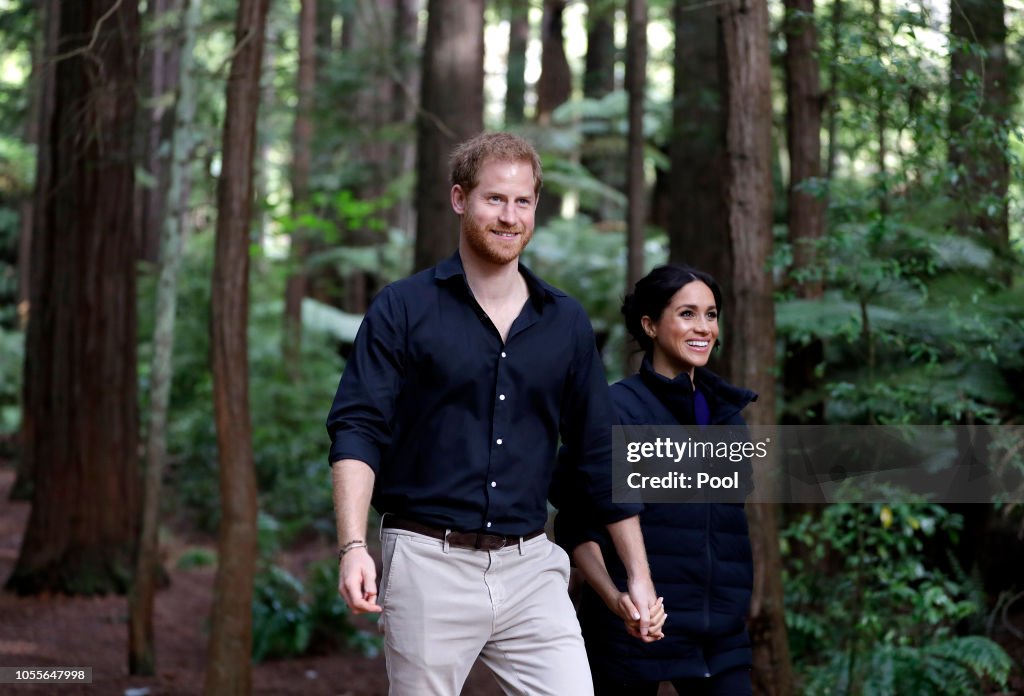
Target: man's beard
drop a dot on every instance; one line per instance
(490, 247)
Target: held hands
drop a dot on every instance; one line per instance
(630, 615)
(357, 581)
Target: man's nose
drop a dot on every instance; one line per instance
(508, 214)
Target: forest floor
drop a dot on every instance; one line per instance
(56, 630)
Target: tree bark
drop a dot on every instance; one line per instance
(515, 81)
(978, 120)
(636, 82)
(806, 217)
(230, 645)
(599, 66)
(80, 424)
(698, 230)
(806, 212)
(452, 111)
(554, 87)
(162, 66)
(602, 154)
(302, 138)
(44, 81)
(141, 649)
(748, 197)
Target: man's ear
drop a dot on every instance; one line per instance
(458, 200)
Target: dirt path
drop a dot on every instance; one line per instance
(55, 630)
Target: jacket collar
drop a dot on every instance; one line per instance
(724, 399)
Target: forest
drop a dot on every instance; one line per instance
(200, 198)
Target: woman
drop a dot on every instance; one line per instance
(699, 552)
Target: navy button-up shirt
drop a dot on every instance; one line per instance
(460, 428)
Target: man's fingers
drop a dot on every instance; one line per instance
(358, 587)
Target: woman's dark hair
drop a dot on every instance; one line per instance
(653, 292)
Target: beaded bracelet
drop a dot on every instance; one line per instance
(354, 544)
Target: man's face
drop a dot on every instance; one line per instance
(497, 215)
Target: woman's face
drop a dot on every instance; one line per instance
(685, 332)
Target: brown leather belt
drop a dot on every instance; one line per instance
(462, 540)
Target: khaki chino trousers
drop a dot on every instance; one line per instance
(446, 606)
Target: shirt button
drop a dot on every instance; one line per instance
(493, 484)
(503, 354)
(488, 525)
(498, 440)
(501, 396)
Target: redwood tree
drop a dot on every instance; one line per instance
(229, 669)
(302, 138)
(80, 424)
(748, 199)
(697, 229)
(806, 207)
(636, 83)
(452, 108)
(141, 644)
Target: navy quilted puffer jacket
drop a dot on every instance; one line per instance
(699, 552)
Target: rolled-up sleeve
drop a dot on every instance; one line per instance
(359, 422)
(586, 428)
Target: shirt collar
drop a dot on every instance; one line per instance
(540, 292)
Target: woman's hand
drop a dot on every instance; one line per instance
(624, 608)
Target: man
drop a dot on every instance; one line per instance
(461, 380)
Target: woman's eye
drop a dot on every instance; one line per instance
(713, 316)
(686, 314)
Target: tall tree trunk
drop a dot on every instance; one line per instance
(44, 81)
(515, 81)
(405, 83)
(81, 416)
(554, 87)
(231, 630)
(748, 195)
(452, 102)
(302, 138)
(141, 650)
(601, 153)
(806, 217)
(162, 66)
(599, 70)
(636, 82)
(375, 106)
(978, 119)
(264, 139)
(806, 212)
(698, 230)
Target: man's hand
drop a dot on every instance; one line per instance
(627, 611)
(357, 581)
(644, 598)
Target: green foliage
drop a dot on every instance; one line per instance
(291, 619)
(289, 440)
(866, 612)
(589, 263)
(197, 558)
(915, 328)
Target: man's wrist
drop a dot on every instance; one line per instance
(350, 546)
